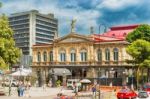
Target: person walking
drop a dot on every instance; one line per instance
(19, 88)
(27, 88)
(94, 90)
(22, 88)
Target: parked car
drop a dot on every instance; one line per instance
(6, 83)
(126, 93)
(146, 87)
(71, 82)
(143, 95)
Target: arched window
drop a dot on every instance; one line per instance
(45, 56)
(51, 56)
(107, 54)
(62, 55)
(39, 57)
(115, 51)
(72, 55)
(99, 55)
(83, 55)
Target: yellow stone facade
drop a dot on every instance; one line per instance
(79, 43)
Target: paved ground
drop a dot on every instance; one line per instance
(51, 93)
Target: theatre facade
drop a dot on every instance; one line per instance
(84, 56)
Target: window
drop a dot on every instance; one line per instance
(39, 57)
(83, 56)
(44, 56)
(51, 56)
(107, 54)
(99, 55)
(62, 55)
(73, 55)
(115, 54)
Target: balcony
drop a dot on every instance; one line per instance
(94, 63)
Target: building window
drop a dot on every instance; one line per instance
(62, 55)
(99, 55)
(44, 56)
(51, 56)
(39, 57)
(73, 55)
(83, 56)
(115, 54)
(107, 54)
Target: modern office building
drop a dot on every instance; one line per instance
(32, 28)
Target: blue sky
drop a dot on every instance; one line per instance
(87, 12)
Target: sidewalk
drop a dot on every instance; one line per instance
(39, 92)
(51, 93)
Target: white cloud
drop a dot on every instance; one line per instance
(12, 7)
(85, 18)
(117, 4)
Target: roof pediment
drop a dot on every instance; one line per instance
(73, 37)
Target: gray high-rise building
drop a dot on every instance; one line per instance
(31, 28)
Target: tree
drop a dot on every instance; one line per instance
(9, 54)
(141, 32)
(140, 52)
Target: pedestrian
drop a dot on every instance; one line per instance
(50, 83)
(22, 88)
(28, 85)
(44, 87)
(75, 89)
(19, 88)
(94, 90)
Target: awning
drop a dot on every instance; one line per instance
(22, 72)
(60, 71)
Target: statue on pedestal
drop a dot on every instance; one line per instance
(73, 25)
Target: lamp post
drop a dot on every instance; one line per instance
(99, 48)
(64, 78)
(132, 87)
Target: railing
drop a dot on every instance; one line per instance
(94, 63)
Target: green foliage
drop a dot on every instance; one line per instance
(9, 54)
(2, 64)
(140, 51)
(142, 32)
(58, 83)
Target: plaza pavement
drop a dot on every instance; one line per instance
(51, 93)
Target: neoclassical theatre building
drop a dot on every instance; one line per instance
(84, 56)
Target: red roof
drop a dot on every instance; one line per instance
(116, 33)
(104, 38)
(124, 27)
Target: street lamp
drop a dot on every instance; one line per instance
(132, 87)
(64, 78)
(99, 48)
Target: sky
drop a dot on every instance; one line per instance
(87, 12)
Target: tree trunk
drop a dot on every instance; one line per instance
(137, 77)
(142, 75)
(148, 70)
